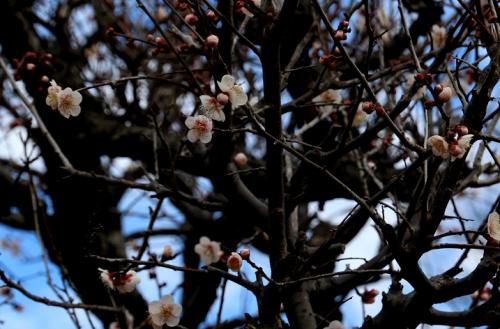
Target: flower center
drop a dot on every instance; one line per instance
(201, 125)
(66, 100)
(166, 310)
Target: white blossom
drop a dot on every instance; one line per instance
(439, 146)
(494, 226)
(200, 128)
(122, 282)
(209, 251)
(234, 262)
(325, 100)
(438, 34)
(455, 150)
(237, 96)
(212, 108)
(335, 325)
(52, 93)
(68, 102)
(165, 311)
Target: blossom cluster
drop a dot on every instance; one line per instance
(200, 126)
(454, 145)
(122, 282)
(67, 101)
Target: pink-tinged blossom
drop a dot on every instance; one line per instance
(438, 34)
(325, 100)
(68, 102)
(52, 93)
(165, 311)
(234, 262)
(454, 149)
(209, 251)
(335, 325)
(439, 146)
(494, 226)
(122, 282)
(212, 108)
(200, 128)
(235, 92)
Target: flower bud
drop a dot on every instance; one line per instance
(367, 107)
(150, 38)
(240, 159)
(368, 296)
(168, 253)
(211, 15)
(340, 35)
(245, 254)
(445, 94)
(222, 98)
(191, 19)
(212, 41)
(234, 262)
(30, 67)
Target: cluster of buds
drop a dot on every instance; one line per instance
(368, 297)
(426, 77)
(330, 61)
(34, 69)
(341, 33)
(455, 144)
(235, 261)
(161, 45)
(368, 107)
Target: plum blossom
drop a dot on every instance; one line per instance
(212, 108)
(455, 149)
(235, 92)
(122, 282)
(209, 251)
(200, 128)
(335, 325)
(68, 102)
(234, 262)
(439, 146)
(52, 93)
(494, 226)
(438, 34)
(165, 311)
(329, 96)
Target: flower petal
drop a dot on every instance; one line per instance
(167, 299)
(154, 307)
(226, 83)
(237, 96)
(193, 135)
(190, 122)
(173, 321)
(176, 309)
(494, 226)
(206, 137)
